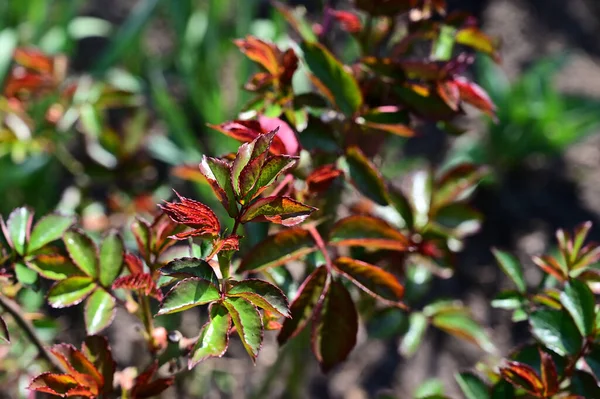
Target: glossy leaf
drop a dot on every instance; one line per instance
(70, 291)
(579, 301)
(217, 173)
(142, 282)
(48, 229)
(82, 251)
(370, 278)
(512, 268)
(549, 374)
(262, 294)
(303, 305)
(190, 267)
(335, 327)
(112, 252)
(365, 176)
(100, 309)
(271, 169)
(556, 330)
(17, 228)
(96, 349)
(411, 341)
(473, 94)
(593, 361)
(214, 337)
(331, 73)
(24, 274)
(523, 376)
(321, 178)
(143, 236)
(55, 384)
(471, 36)
(399, 201)
(54, 266)
(278, 249)
(193, 214)
(248, 323)
(472, 386)
(367, 231)
(280, 210)
(188, 293)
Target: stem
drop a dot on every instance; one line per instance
(146, 316)
(15, 311)
(327, 19)
(321, 245)
(282, 185)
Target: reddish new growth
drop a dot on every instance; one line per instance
(193, 214)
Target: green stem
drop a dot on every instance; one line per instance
(17, 313)
(146, 316)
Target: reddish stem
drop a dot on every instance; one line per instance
(321, 245)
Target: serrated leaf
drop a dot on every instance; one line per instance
(99, 312)
(303, 305)
(214, 337)
(112, 252)
(139, 282)
(335, 327)
(342, 87)
(512, 268)
(248, 323)
(370, 278)
(190, 267)
(188, 293)
(218, 174)
(96, 349)
(411, 341)
(579, 301)
(54, 384)
(48, 229)
(262, 294)
(460, 324)
(250, 174)
(367, 231)
(365, 176)
(70, 291)
(472, 386)
(54, 266)
(556, 330)
(523, 376)
(143, 236)
(4, 336)
(280, 210)
(82, 251)
(549, 374)
(78, 365)
(242, 159)
(17, 228)
(278, 249)
(271, 169)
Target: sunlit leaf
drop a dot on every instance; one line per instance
(523, 376)
(248, 323)
(579, 301)
(214, 337)
(262, 294)
(556, 330)
(190, 267)
(280, 210)
(188, 293)
(54, 266)
(17, 228)
(111, 258)
(365, 176)
(82, 251)
(367, 231)
(193, 214)
(48, 229)
(100, 309)
(70, 291)
(411, 341)
(96, 349)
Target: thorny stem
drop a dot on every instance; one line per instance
(15, 311)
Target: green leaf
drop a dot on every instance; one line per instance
(188, 293)
(8, 42)
(593, 360)
(458, 322)
(335, 327)
(456, 184)
(4, 337)
(429, 388)
(48, 229)
(280, 210)
(17, 227)
(214, 337)
(370, 278)
(262, 294)
(411, 341)
(341, 87)
(399, 201)
(242, 159)
(70, 291)
(112, 253)
(584, 384)
(82, 251)
(509, 300)
(100, 309)
(248, 323)
(190, 267)
(278, 249)
(271, 169)
(302, 308)
(218, 175)
(365, 176)
(367, 231)
(54, 266)
(472, 386)
(556, 330)
(512, 268)
(579, 301)
(24, 274)
(420, 197)
(143, 236)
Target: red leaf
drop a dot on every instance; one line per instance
(303, 307)
(473, 94)
(321, 178)
(335, 327)
(370, 278)
(280, 210)
(139, 281)
(97, 350)
(57, 384)
(248, 130)
(524, 376)
(549, 374)
(134, 264)
(193, 214)
(79, 366)
(350, 22)
(448, 91)
(550, 266)
(266, 54)
(143, 388)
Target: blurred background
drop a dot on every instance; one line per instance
(171, 68)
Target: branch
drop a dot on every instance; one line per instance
(15, 311)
